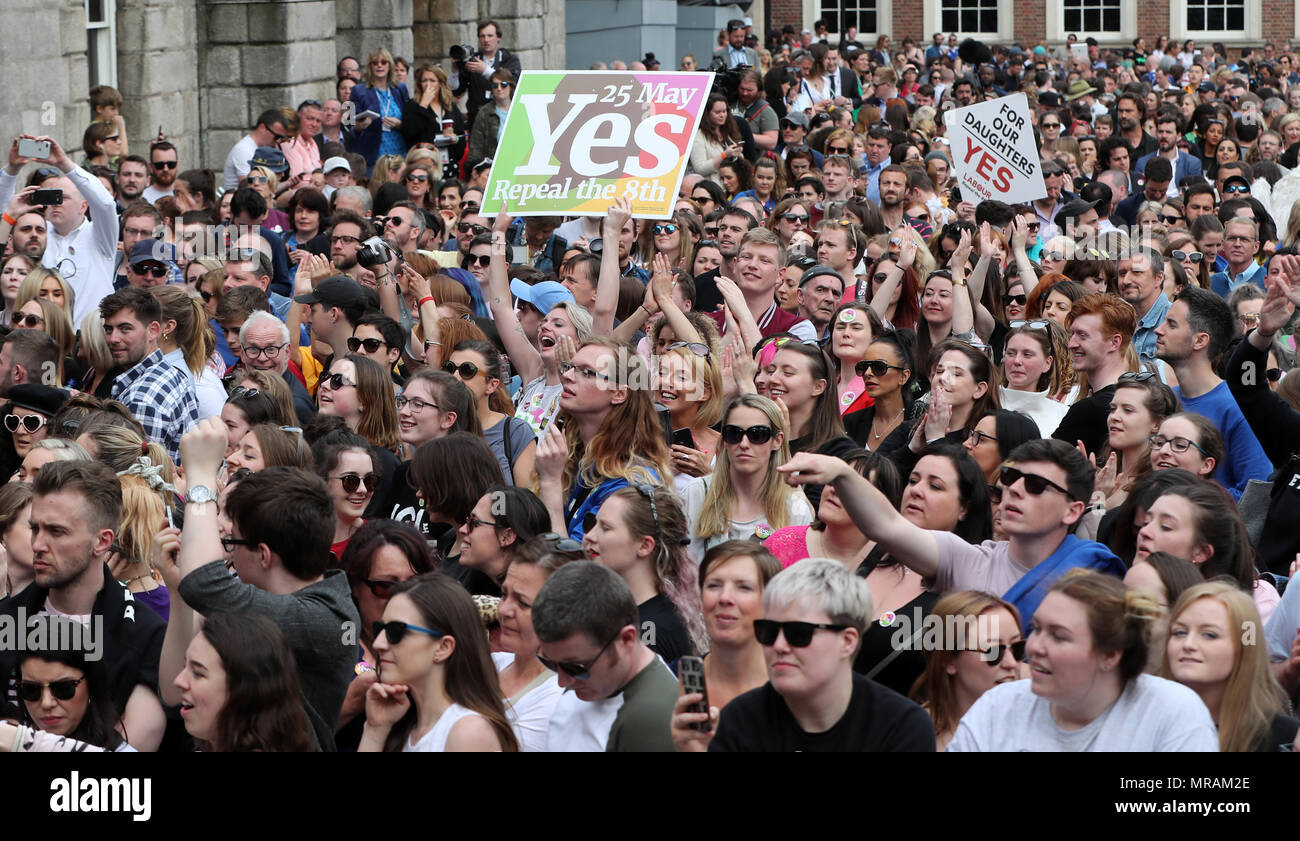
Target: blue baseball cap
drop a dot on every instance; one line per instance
(152, 250)
(543, 296)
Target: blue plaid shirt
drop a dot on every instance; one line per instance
(162, 398)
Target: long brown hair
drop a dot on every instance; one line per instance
(378, 423)
(471, 679)
(825, 422)
(934, 688)
(727, 131)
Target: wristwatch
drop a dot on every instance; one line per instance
(200, 494)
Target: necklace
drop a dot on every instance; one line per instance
(878, 435)
(126, 582)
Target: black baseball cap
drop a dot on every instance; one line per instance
(338, 291)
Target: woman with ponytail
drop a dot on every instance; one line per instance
(1087, 690)
(188, 343)
(640, 532)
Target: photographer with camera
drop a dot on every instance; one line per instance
(473, 72)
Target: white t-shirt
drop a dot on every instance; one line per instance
(237, 161)
(151, 193)
(1045, 411)
(1151, 715)
(798, 513)
(579, 726)
(435, 741)
(530, 716)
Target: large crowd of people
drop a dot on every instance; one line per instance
(322, 453)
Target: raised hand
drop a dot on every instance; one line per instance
(552, 455)
(1019, 233)
(502, 222)
(163, 556)
(662, 280)
(812, 469)
(615, 218)
(386, 703)
(986, 240)
(203, 448)
(565, 349)
(686, 738)
(907, 252)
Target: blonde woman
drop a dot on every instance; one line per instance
(388, 170)
(267, 183)
(380, 135)
(46, 283)
(94, 355)
(431, 116)
(1205, 652)
(745, 497)
(40, 314)
(188, 343)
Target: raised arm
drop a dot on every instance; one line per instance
(607, 285)
(738, 309)
(662, 284)
(1020, 252)
(103, 209)
(869, 510)
(181, 619)
(523, 356)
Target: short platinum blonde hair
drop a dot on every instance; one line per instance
(822, 583)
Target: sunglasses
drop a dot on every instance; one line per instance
(482, 260)
(1236, 188)
(995, 494)
(395, 630)
(797, 634)
(336, 381)
(1170, 220)
(465, 370)
(169, 164)
(664, 229)
(30, 423)
(500, 85)
(697, 348)
(1178, 444)
(576, 670)
(1034, 484)
(1248, 319)
(837, 150)
(352, 481)
(382, 589)
(560, 542)
(28, 320)
(371, 345)
(796, 217)
(62, 690)
(419, 178)
(258, 179)
(154, 270)
(240, 391)
(757, 435)
(993, 654)
(466, 227)
(877, 367)
(1032, 325)
(469, 207)
(1135, 377)
(1018, 300)
(205, 295)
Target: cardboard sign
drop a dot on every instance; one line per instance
(1078, 50)
(993, 151)
(576, 141)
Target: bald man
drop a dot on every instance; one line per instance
(81, 232)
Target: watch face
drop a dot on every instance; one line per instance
(200, 493)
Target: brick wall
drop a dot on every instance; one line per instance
(1278, 24)
(1031, 22)
(1153, 19)
(909, 22)
(787, 12)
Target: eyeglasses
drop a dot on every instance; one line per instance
(797, 634)
(801, 218)
(1178, 444)
(240, 391)
(466, 227)
(877, 367)
(1169, 220)
(1135, 377)
(258, 179)
(1054, 256)
(995, 494)
(229, 543)
(417, 405)
(976, 437)
(1180, 255)
(575, 670)
(993, 654)
(837, 150)
(371, 345)
(395, 631)
(29, 423)
(418, 177)
(1248, 319)
(465, 370)
(757, 435)
(345, 239)
(1034, 484)
(382, 589)
(668, 228)
(352, 481)
(166, 164)
(697, 348)
(588, 373)
(62, 690)
(259, 352)
(1049, 125)
(30, 320)
(1032, 325)
(335, 382)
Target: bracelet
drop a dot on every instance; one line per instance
(428, 342)
(420, 302)
(9, 220)
(961, 282)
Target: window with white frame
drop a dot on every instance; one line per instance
(839, 15)
(101, 42)
(1216, 15)
(969, 16)
(1092, 16)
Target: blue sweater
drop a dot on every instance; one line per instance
(1245, 459)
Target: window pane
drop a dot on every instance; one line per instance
(1196, 19)
(95, 11)
(1072, 20)
(1110, 20)
(949, 18)
(1236, 19)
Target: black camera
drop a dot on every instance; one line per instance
(726, 80)
(373, 252)
(462, 52)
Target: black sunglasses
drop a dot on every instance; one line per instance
(1135, 377)
(878, 367)
(371, 345)
(154, 270)
(757, 435)
(993, 654)
(395, 630)
(466, 227)
(796, 217)
(466, 370)
(62, 690)
(797, 634)
(418, 177)
(577, 671)
(381, 589)
(172, 164)
(557, 542)
(352, 481)
(30, 320)
(669, 228)
(1018, 300)
(335, 381)
(1034, 484)
(483, 260)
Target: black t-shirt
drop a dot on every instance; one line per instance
(878, 719)
(662, 628)
(1281, 734)
(388, 466)
(1086, 421)
(840, 446)
(878, 642)
(401, 503)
